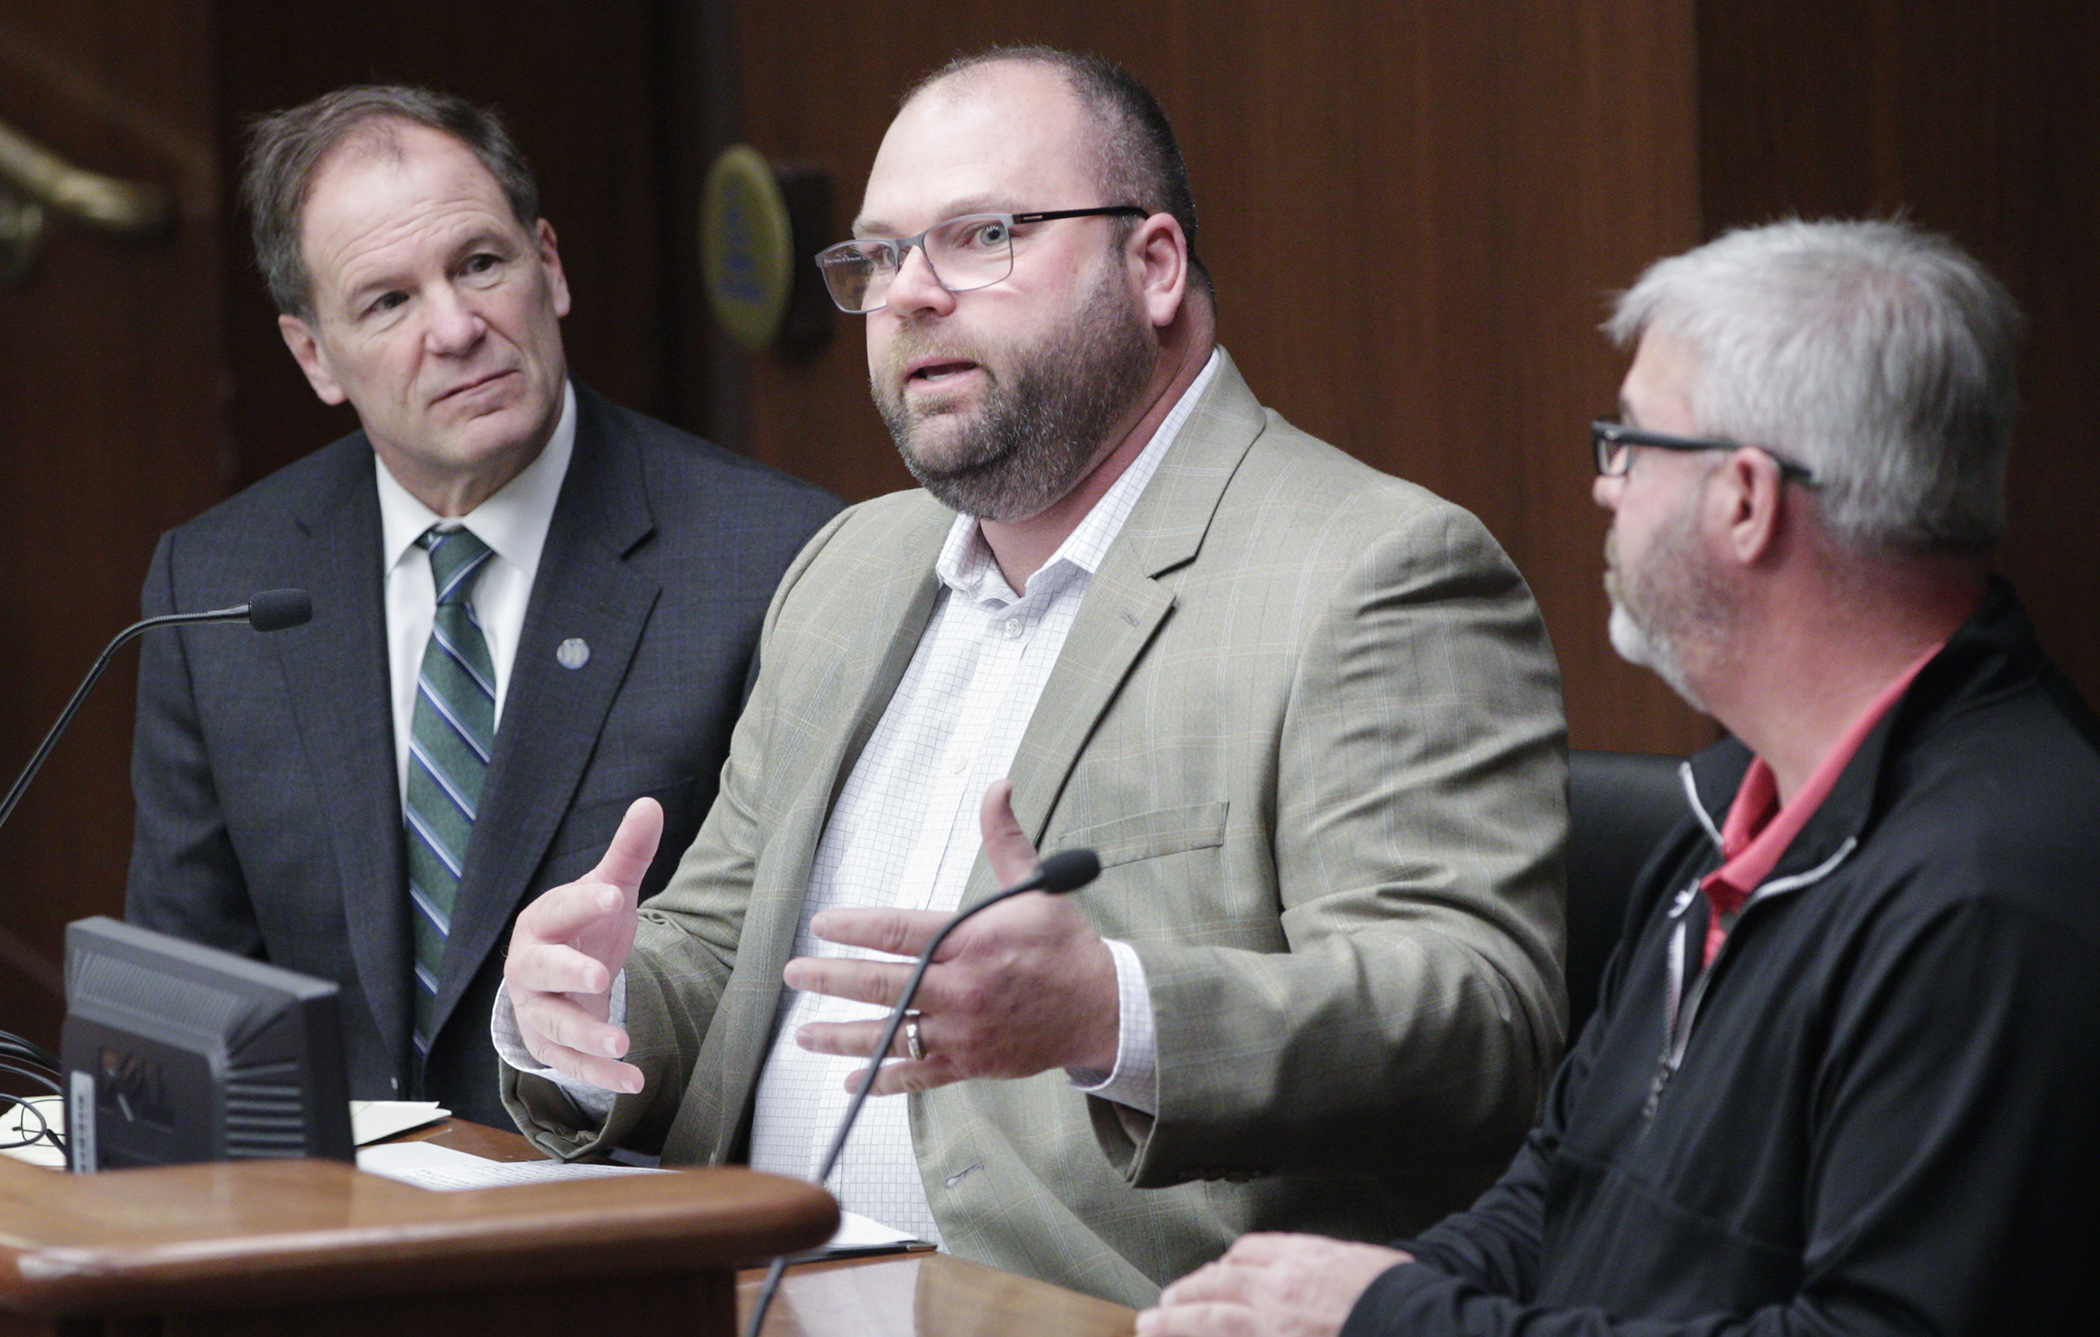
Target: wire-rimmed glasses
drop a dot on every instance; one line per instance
(965, 253)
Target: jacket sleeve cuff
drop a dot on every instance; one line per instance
(592, 1102)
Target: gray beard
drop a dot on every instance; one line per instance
(1640, 647)
(1038, 431)
(1667, 603)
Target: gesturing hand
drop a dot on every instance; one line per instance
(1270, 1286)
(1024, 987)
(568, 947)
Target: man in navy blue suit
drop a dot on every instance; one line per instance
(530, 605)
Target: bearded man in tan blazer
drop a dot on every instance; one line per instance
(1305, 712)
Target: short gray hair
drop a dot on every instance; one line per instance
(1877, 354)
(285, 148)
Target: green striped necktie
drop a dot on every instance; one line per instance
(450, 734)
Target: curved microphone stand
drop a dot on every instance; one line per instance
(1067, 870)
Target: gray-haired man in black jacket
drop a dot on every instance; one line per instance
(1843, 1076)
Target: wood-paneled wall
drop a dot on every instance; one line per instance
(1978, 120)
(1415, 212)
(110, 432)
(581, 89)
(141, 383)
(1412, 211)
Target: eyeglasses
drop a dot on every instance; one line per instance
(1612, 442)
(966, 253)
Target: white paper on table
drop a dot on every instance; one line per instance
(864, 1234)
(371, 1120)
(426, 1165)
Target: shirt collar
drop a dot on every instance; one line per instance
(513, 520)
(966, 565)
(1757, 831)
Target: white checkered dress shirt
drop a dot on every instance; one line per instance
(905, 831)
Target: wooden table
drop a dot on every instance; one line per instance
(919, 1294)
(925, 1295)
(317, 1249)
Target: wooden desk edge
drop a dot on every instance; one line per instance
(1027, 1306)
(270, 1230)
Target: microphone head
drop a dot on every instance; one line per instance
(1067, 870)
(274, 610)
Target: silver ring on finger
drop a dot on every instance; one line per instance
(914, 1044)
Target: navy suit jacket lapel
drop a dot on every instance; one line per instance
(552, 715)
(336, 667)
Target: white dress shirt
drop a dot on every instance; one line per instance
(513, 521)
(904, 834)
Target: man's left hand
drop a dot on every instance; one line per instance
(1271, 1286)
(1022, 988)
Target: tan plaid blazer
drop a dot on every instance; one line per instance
(1309, 718)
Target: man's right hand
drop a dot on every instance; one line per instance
(569, 946)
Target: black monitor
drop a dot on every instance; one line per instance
(176, 1053)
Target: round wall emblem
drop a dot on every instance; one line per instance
(746, 246)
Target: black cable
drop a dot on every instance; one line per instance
(28, 1051)
(36, 1075)
(44, 1130)
(23, 1136)
(34, 1063)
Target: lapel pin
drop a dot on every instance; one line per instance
(572, 653)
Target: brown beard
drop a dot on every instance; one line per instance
(1040, 429)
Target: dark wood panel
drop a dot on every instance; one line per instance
(1980, 121)
(581, 87)
(140, 384)
(111, 430)
(1413, 211)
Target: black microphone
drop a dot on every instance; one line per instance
(1067, 870)
(275, 610)
(272, 610)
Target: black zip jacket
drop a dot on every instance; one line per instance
(1878, 1110)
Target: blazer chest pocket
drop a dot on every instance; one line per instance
(588, 827)
(1148, 835)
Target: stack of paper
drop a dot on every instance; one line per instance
(429, 1166)
(371, 1120)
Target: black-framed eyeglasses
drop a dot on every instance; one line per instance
(965, 253)
(1613, 440)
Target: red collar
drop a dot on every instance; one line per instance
(1758, 830)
